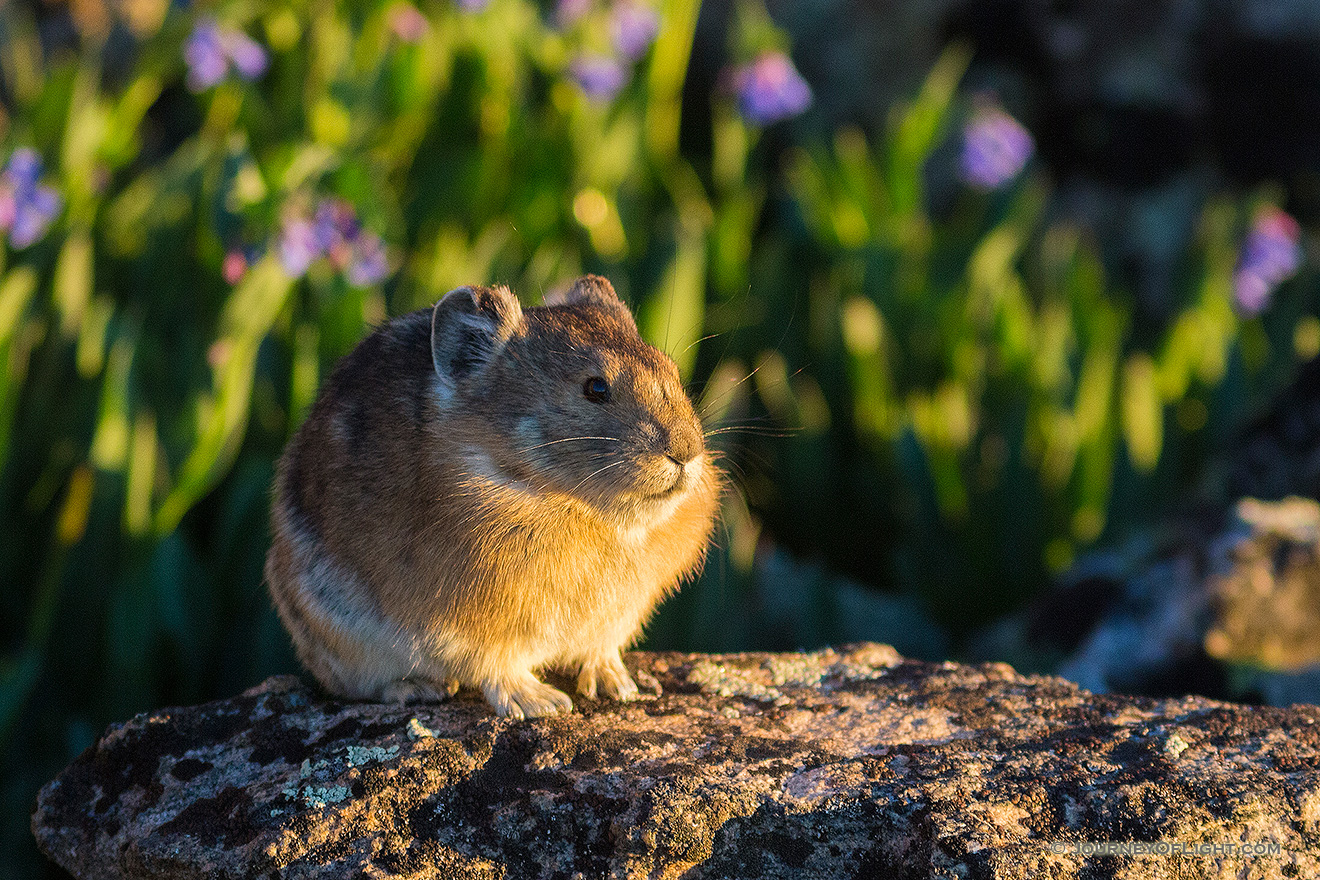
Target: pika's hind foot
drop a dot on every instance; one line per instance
(526, 696)
(608, 676)
(414, 690)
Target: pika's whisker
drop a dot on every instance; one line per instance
(593, 474)
(698, 342)
(708, 405)
(755, 430)
(566, 440)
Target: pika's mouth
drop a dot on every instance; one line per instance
(684, 476)
(678, 486)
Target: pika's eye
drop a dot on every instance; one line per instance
(596, 389)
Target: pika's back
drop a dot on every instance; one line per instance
(368, 424)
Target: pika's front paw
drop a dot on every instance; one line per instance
(526, 697)
(608, 676)
(413, 690)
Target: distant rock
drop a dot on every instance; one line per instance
(1233, 608)
(847, 763)
(1267, 589)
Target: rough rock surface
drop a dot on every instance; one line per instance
(848, 763)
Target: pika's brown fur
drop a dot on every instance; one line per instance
(482, 491)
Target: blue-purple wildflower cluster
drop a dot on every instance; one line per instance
(633, 27)
(995, 148)
(335, 234)
(770, 89)
(767, 90)
(600, 77)
(1271, 254)
(27, 207)
(214, 49)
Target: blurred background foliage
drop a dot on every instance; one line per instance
(932, 382)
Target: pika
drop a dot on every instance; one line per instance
(482, 491)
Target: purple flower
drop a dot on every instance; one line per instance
(1271, 254)
(298, 246)
(250, 60)
(770, 89)
(212, 48)
(599, 76)
(26, 207)
(995, 148)
(567, 12)
(369, 262)
(473, 5)
(634, 28)
(336, 228)
(335, 233)
(407, 22)
(24, 168)
(205, 55)
(33, 216)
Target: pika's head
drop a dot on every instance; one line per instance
(567, 397)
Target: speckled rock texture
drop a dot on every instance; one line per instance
(848, 763)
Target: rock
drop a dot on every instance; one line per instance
(1152, 637)
(1267, 596)
(847, 763)
(1234, 608)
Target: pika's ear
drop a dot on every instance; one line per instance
(592, 290)
(595, 290)
(469, 326)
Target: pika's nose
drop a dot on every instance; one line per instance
(684, 444)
